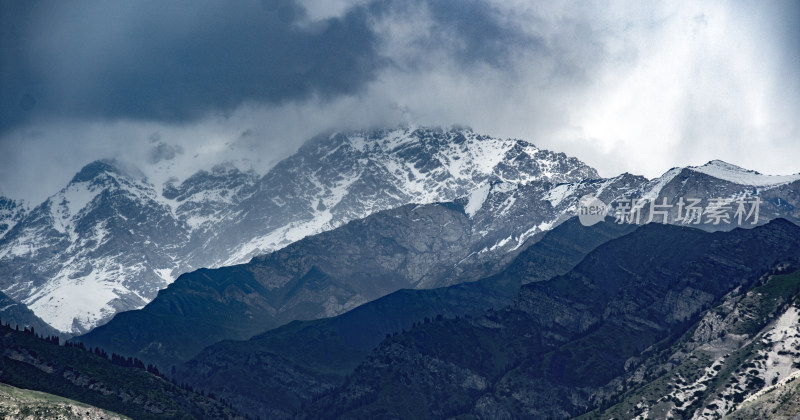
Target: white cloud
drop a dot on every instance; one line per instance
(637, 87)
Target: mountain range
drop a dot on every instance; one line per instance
(413, 246)
(577, 341)
(67, 259)
(423, 273)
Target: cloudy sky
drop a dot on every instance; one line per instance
(177, 86)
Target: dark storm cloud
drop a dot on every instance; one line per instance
(470, 31)
(173, 61)
(18, 84)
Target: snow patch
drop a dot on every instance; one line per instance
(541, 227)
(785, 338)
(654, 187)
(77, 196)
(357, 142)
(476, 199)
(558, 193)
(166, 274)
(501, 243)
(85, 300)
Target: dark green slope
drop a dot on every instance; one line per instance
(316, 355)
(561, 340)
(32, 363)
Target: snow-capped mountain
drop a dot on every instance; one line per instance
(716, 183)
(102, 244)
(346, 176)
(109, 241)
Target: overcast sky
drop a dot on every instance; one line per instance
(177, 86)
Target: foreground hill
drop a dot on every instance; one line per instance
(24, 404)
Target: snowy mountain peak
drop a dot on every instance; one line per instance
(110, 176)
(654, 187)
(224, 178)
(70, 258)
(732, 173)
(720, 166)
(105, 167)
